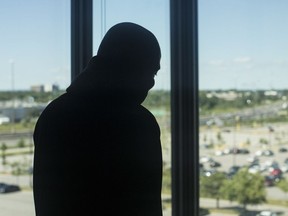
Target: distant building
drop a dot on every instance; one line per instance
(18, 109)
(227, 95)
(4, 119)
(271, 93)
(37, 88)
(45, 88)
(51, 88)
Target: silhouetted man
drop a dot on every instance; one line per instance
(97, 149)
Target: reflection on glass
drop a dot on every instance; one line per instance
(34, 69)
(243, 106)
(153, 15)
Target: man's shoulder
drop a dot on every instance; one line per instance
(57, 106)
(56, 118)
(147, 113)
(140, 117)
(57, 111)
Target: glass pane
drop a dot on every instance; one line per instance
(243, 54)
(34, 68)
(153, 15)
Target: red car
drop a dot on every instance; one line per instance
(276, 172)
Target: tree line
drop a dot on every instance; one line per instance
(244, 187)
(22, 95)
(208, 99)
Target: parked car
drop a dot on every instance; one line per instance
(255, 168)
(244, 151)
(276, 172)
(284, 168)
(214, 164)
(7, 188)
(267, 213)
(270, 165)
(283, 149)
(235, 151)
(232, 171)
(205, 159)
(209, 172)
(219, 153)
(253, 160)
(271, 129)
(259, 153)
(264, 153)
(227, 151)
(268, 153)
(270, 180)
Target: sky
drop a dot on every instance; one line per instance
(242, 43)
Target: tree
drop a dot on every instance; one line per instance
(246, 188)
(263, 141)
(219, 136)
(3, 149)
(21, 143)
(20, 168)
(210, 186)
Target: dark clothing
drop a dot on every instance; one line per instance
(97, 152)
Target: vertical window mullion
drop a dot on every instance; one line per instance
(81, 35)
(184, 107)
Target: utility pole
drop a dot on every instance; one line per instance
(12, 63)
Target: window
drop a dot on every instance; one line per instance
(243, 104)
(34, 68)
(35, 44)
(242, 84)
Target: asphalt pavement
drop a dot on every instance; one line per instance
(17, 204)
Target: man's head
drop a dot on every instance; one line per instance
(132, 46)
(134, 54)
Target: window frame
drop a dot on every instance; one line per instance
(184, 107)
(81, 35)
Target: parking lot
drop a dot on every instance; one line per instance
(248, 138)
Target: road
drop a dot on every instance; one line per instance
(211, 203)
(17, 204)
(16, 135)
(249, 113)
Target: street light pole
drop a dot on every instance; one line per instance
(103, 18)
(234, 152)
(12, 63)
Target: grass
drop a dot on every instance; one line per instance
(230, 211)
(283, 203)
(16, 127)
(24, 152)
